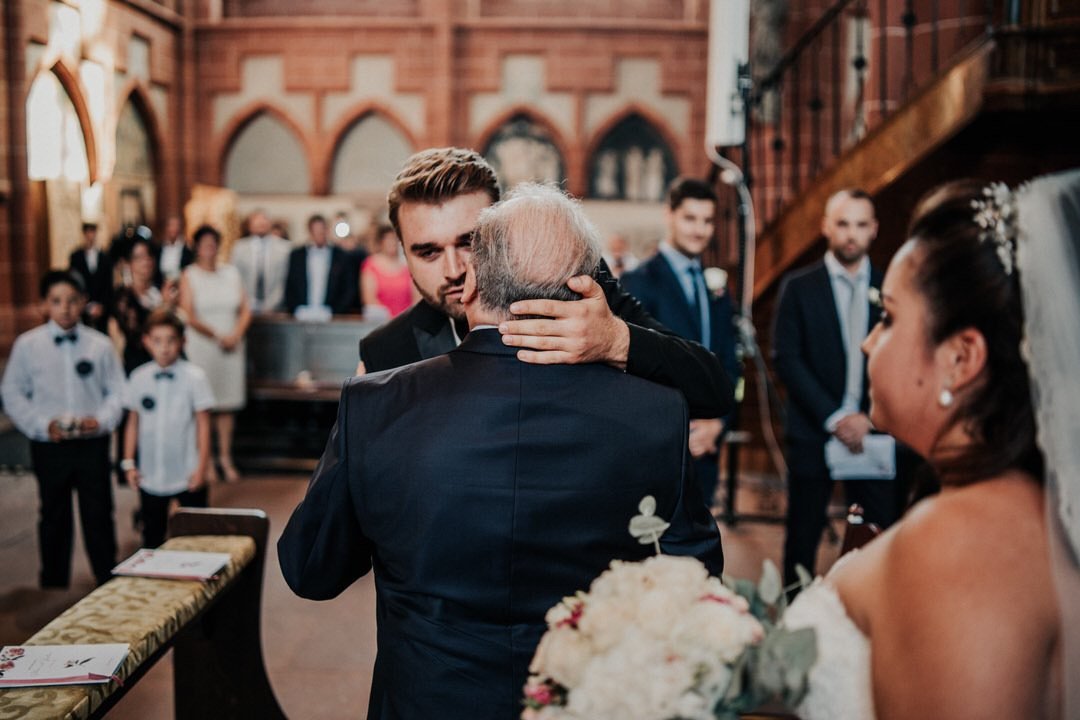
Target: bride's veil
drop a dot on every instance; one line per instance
(1048, 256)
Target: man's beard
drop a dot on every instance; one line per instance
(448, 306)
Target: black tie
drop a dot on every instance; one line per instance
(66, 337)
(166, 374)
(695, 305)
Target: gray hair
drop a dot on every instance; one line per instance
(530, 244)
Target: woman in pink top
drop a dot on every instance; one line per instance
(384, 277)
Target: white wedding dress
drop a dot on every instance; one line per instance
(839, 682)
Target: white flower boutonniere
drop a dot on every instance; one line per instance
(715, 280)
(874, 295)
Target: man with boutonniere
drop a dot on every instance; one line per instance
(693, 301)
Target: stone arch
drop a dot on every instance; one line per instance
(381, 166)
(298, 155)
(609, 154)
(72, 87)
(502, 128)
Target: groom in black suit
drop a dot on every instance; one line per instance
(823, 314)
(483, 489)
(433, 206)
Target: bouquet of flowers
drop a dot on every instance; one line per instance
(662, 640)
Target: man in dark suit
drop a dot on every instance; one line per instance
(823, 314)
(174, 255)
(433, 205)
(95, 268)
(483, 489)
(672, 288)
(321, 274)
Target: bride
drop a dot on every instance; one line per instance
(961, 609)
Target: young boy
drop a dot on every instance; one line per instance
(169, 425)
(62, 389)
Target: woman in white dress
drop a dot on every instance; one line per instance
(961, 610)
(212, 297)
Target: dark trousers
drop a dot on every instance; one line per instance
(808, 504)
(154, 510)
(81, 466)
(707, 471)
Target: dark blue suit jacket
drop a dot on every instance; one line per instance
(809, 357)
(482, 490)
(342, 286)
(659, 291)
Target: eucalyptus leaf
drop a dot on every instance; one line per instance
(805, 579)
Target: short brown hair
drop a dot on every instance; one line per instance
(439, 174)
(687, 188)
(164, 317)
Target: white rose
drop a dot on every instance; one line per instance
(715, 280)
(562, 655)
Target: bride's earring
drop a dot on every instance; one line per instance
(945, 399)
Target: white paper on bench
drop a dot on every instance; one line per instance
(32, 665)
(174, 564)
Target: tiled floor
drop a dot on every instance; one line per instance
(318, 655)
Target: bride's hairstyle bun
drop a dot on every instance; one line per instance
(965, 285)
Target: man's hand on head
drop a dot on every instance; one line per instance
(569, 332)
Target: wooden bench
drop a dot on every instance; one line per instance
(212, 627)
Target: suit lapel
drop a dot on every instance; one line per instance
(432, 331)
(825, 309)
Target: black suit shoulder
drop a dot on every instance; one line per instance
(392, 344)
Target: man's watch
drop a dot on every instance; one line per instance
(127, 464)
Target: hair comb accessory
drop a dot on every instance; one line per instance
(996, 215)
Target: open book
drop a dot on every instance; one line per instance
(30, 665)
(174, 564)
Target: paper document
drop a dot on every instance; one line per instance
(174, 564)
(30, 665)
(877, 461)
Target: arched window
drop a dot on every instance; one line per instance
(523, 150)
(632, 162)
(133, 177)
(369, 156)
(55, 147)
(266, 157)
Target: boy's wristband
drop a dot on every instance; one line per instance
(127, 464)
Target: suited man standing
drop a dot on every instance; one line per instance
(262, 260)
(671, 287)
(95, 268)
(433, 205)
(822, 317)
(320, 274)
(483, 489)
(175, 255)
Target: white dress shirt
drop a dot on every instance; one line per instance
(166, 400)
(318, 274)
(844, 284)
(171, 254)
(48, 377)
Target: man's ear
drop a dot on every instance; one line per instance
(468, 289)
(963, 357)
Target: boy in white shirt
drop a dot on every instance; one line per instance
(169, 400)
(62, 389)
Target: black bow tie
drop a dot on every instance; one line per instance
(70, 337)
(167, 374)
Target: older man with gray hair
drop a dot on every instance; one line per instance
(483, 489)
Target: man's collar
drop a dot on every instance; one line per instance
(678, 261)
(835, 268)
(486, 341)
(56, 331)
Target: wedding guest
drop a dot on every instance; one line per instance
(618, 257)
(483, 489)
(262, 259)
(132, 305)
(321, 275)
(671, 287)
(62, 389)
(823, 314)
(952, 613)
(169, 402)
(94, 267)
(175, 255)
(384, 277)
(216, 307)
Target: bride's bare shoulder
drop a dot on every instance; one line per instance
(978, 528)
